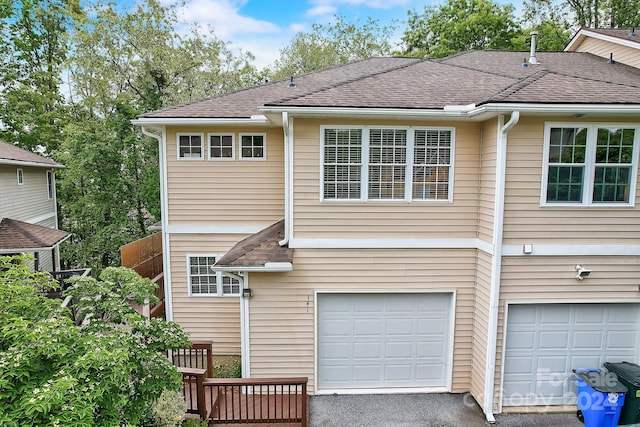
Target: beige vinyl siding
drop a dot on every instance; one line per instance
(378, 218)
(28, 201)
(482, 303)
(235, 192)
(525, 221)
(283, 306)
(623, 54)
(204, 317)
(552, 279)
(487, 190)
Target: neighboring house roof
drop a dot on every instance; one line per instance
(259, 249)
(12, 155)
(18, 236)
(469, 78)
(623, 36)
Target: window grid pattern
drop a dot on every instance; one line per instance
(230, 286)
(202, 279)
(190, 146)
(614, 159)
(567, 156)
(387, 163)
(342, 163)
(221, 146)
(431, 164)
(252, 147)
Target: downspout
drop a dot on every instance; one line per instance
(164, 209)
(287, 127)
(496, 262)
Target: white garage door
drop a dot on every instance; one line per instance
(384, 341)
(544, 342)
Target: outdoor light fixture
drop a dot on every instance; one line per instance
(247, 293)
(582, 272)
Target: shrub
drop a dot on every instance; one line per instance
(230, 367)
(169, 409)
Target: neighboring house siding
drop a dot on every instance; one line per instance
(623, 54)
(552, 279)
(480, 326)
(204, 317)
(26, 202)
(391, 219)
(526, 222)
(282, 309)
(229, 192)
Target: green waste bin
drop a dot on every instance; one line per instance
(628, 374)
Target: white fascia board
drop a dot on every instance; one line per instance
(611, 39)
(452, 113)
(548, 109)
(34, 164)
(269, 267)
(573, 250)
(201, 121)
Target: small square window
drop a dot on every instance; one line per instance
(20, 173)
(253, 146)
(204, 281)
(221, 147)
(190, 146)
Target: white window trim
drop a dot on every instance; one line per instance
(233, 147)
(589, 174)
(218, 274)
(201, 135)
(364, 172)
(264, 147)
(50, 185)
(20, 176)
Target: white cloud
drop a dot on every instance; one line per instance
(373, 4)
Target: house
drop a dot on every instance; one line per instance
(465, 224)
(28, 211)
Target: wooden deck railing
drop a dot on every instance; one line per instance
(228, 401)
(199, 355)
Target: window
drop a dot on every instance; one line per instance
(221, 147)
(20, 173)
(204, 281)
(190, 146)
(589, 164)
(407, 164)
(50, 185)
(253, 146)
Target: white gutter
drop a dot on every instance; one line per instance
(27, 163)
(164, 213)
(269, 267)
(245, 350)
(496, 262)
(163, 121)
(558, 108)
(287, 127)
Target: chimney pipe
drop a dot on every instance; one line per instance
(532, 55)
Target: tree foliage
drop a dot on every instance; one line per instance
(459, 25)
(605, 13)
(330, 45)
(108, 371)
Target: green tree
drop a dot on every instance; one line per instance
(34, 47)
(550, 20)
(460, 25)
(329, 45)
(109, 371)
(605, 13)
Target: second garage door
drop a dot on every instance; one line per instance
(384, 341)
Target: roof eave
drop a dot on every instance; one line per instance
(550, 109)
(36, 249)
(259, 120)
(27, 163)
(583, 33)
(269, 267)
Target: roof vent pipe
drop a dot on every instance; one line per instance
(611, 61)
(633, 32)
(532, 55)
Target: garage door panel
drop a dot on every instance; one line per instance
(406, 336)
(540, 356)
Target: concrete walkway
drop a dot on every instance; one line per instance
(409, 410)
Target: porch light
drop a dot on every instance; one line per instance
(247, 293)
(582, 272)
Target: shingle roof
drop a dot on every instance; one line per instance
(10, 154)
(475, 77)
(17, 235)
(620, 33)
(258, 249)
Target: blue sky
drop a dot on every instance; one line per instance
(263, 27)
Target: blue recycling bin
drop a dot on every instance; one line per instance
(600, 397)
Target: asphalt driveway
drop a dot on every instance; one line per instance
(408, 410)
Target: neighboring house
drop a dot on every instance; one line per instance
(28, 215)
(405, 224)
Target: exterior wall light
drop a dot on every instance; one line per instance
(582, 272)
(247, 293)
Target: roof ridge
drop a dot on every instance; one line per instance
(519, 85)
(594, 79)
(24, 231)
(354, 79)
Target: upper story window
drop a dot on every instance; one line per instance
(190, 146)
(590, 164)
(50, 184)
(20, 174)
(221, 146)
(204, 281)
(409, 164)
(253, 146)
